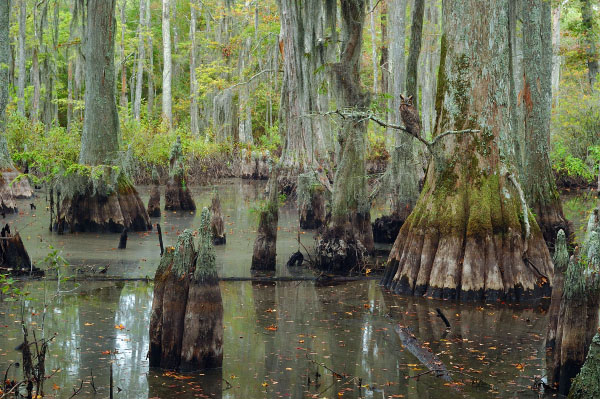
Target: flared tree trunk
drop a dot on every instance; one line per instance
(305, 49)
(349, 236)
(117, 205)
(536, 100)
(469, 237)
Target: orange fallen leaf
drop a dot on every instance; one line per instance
(271, 328)
(55, 387)
(120, 327)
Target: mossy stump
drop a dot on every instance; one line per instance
(264, 254)
(587, 383)
(217, 225)
(186, 322)
(311, 201)
(93, 211)
(14, 258)
(578, 315)
(177, 194)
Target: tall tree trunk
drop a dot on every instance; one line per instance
(587, 21)
(373, 47)
(383, 61)
(167, 62)
(150, 59)
(402, 175)
(556, 58)
(536, 99)
(193, 84)
(304, 50)
(123, 101)
(416, 32)
(349, 235)
(137, 105)
(21, 63)
(114, 205)
(430, 66)
(469, 236)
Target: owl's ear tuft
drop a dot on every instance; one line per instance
(402, 98)
(410, 98)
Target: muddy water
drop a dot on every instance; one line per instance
(275, 338)
(91, 252)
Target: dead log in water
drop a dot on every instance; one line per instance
(578, 314)
(217, 224)
(423, 353)
(186, 323)
(265, 246)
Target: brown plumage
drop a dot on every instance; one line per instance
(410, 116)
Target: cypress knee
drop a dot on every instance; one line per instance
(265, 246)
(154, 201)
(177, 194)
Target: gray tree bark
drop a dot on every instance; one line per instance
(374, 47)
(123, 101)
(468, 233)
(137, 105)
(167, 62)
(100, 136)
(148, 23)
(416, 32)
(556, 57)
(21, 60)
(536, 100)
(305, 50)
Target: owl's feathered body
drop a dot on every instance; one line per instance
(410, 116)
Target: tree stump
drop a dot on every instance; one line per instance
(311, 201)
(578, 315)
(13, 255)
(217, 225)
(154, 201)
(265, 246)
(587, 383)
(177, 194)
(11, 189)
(186, 323)
(90, 210)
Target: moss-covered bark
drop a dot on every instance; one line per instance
(264, 254)
(349, 235)
(587, 383)
(311, 201)
(467, 237)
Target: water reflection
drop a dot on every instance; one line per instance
(279, 336)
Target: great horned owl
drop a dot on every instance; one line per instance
(410, 116)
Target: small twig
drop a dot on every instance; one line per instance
(75, 392)
(443, 317)
(92, 383)
(252, 78)
(229, 386)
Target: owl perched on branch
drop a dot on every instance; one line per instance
(410, 116)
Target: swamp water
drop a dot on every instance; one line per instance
(277, 335)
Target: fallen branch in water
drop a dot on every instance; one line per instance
(423, 353)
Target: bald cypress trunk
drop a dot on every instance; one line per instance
(113, 204)
(590, 37)
(307, 37)
(536, 100)
(349, 237)
(468, 236)
(21, 62)
(137, 105)
(415, 49)
(148, 23)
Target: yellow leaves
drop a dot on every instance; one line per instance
(520, 366)
(265, 384)
(88, 324)
(120, 327)
(172, 374)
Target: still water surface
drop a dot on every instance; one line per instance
(277, 336)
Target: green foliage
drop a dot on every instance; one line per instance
(9, 292)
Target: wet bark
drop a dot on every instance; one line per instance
(264, 254)
(561, 261)
(578, 315)
(217, 224)
(186, 322)
(587, 383)
(349, 237)
(536, 99)
(468, 237)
